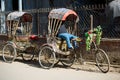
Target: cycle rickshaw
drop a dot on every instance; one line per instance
(19, 28)
(55, 50)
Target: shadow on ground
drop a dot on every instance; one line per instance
(76, 66)
(34, 63)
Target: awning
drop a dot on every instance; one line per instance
(62, 14)
(22, 16)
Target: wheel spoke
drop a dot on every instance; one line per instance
(47, 57)
(69, 60)
(9, 53)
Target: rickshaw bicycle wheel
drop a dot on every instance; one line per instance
(47, 57)
(9, 53)
(69, 60)
(79, 58)
(102, 60)
(27, 57)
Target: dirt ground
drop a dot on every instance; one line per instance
(91, 67)
(21, 70)
(87, 66)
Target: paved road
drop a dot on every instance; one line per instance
(21, 71)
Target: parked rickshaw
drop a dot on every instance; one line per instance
(56, 50)
(19, 28)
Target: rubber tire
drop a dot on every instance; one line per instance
(70, 61)
(51, 53)
(29, 57)
(102, 54)
(12, 48)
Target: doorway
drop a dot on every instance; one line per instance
(15, 5)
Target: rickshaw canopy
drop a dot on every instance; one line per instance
(22, 16)
(62, 14)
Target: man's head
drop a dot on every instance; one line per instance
(69, 23)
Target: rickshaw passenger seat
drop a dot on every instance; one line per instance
(59, 40)
(33, 37)
(22, 38)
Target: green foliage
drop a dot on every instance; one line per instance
(89, 36)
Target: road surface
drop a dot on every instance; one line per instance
(19, 70)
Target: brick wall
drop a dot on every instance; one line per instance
(110, 46)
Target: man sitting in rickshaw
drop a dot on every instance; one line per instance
(62, 33)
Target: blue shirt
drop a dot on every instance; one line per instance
(62, 29)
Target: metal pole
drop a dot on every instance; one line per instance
(2, 17)
(91, 16)
(2, 5)
(20, 5)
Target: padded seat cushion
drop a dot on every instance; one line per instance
(22, 38)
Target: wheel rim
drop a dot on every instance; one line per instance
(102, 61)
(27, 57)
(69, 60)
(47, 57)
(9, 53)
(80, 59)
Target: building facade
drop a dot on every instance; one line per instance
(40, 10)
